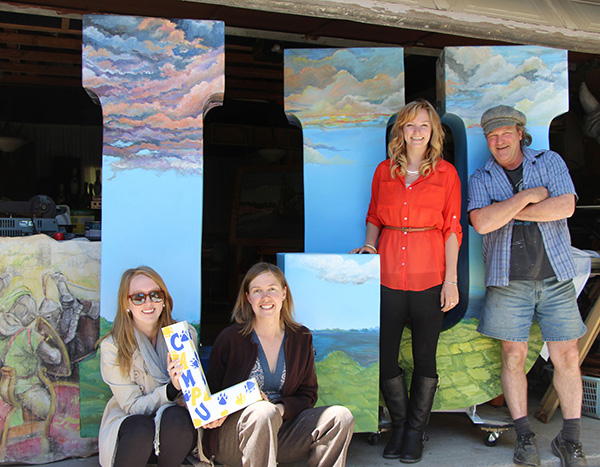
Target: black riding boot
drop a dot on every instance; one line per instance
(422, 391)
(396, 399)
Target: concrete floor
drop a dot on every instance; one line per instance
(454, 441)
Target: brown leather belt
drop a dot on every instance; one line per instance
(410, 229)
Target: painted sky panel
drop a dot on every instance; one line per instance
(337, 298)
(532, 79)
(334, 291)
(344, 99)
(155, 79)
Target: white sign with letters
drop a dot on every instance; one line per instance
(203, 406)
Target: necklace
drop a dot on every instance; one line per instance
(412, 172)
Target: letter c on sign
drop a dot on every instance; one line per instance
(173, 342)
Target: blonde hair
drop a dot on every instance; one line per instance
(397, 145)
(526, 139)
(242, 311)
(122, 328)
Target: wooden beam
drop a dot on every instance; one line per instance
(42, 81)
(273, 73)
(40, 69)
(38, 56)
(40, 41)
(27, 27)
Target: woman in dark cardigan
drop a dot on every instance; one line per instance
(266, 343)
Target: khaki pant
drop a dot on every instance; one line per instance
(258, 437)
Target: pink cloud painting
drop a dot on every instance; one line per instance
(153, 77)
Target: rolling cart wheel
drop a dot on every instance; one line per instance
(492, 438)
(374, 438)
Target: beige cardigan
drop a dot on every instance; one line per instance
(136, 393)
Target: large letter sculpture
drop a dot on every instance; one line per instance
(473, 79)
(344, 99)
(155, 79)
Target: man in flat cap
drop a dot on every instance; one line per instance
(520, 201)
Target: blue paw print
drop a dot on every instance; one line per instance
(194, 363)
(186, 395)
(249, 386)
(222, 399)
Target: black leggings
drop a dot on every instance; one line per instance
(426, 316)
(135, 445)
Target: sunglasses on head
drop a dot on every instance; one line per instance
(139, 298)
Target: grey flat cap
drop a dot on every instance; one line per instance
(499, 116)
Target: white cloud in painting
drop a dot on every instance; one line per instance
(344, 83)
(146, 152)
(313, 156)
(123, 144)
(532, 79)
(334, 268)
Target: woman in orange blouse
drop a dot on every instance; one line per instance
(413, 222)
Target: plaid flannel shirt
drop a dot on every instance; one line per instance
(490, 184)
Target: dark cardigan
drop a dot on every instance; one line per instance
(233, 356)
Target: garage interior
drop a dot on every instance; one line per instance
(59, 127)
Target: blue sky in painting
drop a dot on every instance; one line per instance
(334, 291)
(337, 185)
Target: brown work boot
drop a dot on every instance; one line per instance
(526, 451)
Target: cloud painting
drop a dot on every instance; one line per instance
(531, 78)
(153, 77)
(333, 291)
(342, 269)
(327, 87)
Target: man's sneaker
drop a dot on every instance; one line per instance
(526, 451)
(571, 454)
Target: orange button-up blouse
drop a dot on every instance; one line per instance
(415, 260)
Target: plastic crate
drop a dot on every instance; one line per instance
(591, 396)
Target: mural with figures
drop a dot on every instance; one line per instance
(344, 99)
(49, 322)
(337, 298)
(155, 79)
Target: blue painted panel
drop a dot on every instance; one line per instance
(154, 78)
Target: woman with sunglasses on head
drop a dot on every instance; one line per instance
(413, 223)
(142, 422)
(268, 344)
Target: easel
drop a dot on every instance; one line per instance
(549, 402)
